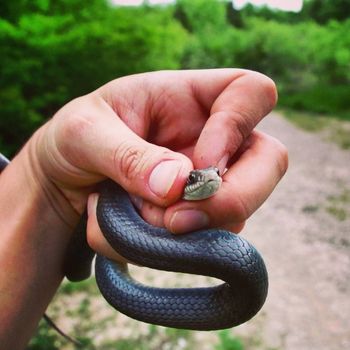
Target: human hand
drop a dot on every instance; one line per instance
(147, 132)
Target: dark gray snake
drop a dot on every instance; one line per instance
(212, 252)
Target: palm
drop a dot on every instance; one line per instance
(171, 107)
(178, 121)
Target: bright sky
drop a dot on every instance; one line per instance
(288, 5)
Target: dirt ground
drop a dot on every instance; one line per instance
(303, 233)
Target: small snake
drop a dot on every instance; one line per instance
(211, 252)
(202, 184)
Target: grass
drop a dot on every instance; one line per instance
(309, 209)
(322, 99)
(45, 338)
(88, 286)
(339, 205)
(228, 341)
(307, 121)
(334, 129)
(86, 326)
(341, 136)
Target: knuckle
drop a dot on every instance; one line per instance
(270, 92)
(235, 210)
(281, 156)
(241, 210)
(282, 159)
(72, 122)
(130, 160)
(277, 150)
(238, 123)
(73, 126)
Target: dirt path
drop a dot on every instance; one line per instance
(304, 235)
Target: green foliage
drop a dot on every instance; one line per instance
(88, 285)
(310, 62)
(46, 338)
(324, 10)
(228, 341)
(332, 129)
(210, 43)
(266, 13)
(202, 16)
(328, 99)
(338, 205)
(306, 121)
(55, 51)
(157, 338)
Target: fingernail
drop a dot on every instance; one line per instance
(188, 220)
(222, 163)
(92, 203)
(163, 177)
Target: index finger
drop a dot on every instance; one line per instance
(233, 116)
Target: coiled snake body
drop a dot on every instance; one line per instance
(212, 252)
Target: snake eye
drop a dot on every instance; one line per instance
(217, 171)
(191, 178)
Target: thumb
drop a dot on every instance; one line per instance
(106, 145)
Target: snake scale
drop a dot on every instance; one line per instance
(211, 252)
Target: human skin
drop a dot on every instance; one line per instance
(145, 132)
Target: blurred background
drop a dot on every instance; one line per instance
(55, 50)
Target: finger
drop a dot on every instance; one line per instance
(97, 241)
(152, 214)
(95, 237)
(182, 88)
(233, 116)
(246, 185)
(233, 227)
(102, 143)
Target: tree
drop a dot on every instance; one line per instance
(325, 10)
(58, 52)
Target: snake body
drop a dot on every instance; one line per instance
(215, 253)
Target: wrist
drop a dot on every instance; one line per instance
(35, 224)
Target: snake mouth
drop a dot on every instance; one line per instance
(194, 187)
(198, 185)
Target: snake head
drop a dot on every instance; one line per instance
(202, 184)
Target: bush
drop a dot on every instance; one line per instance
(54, 55)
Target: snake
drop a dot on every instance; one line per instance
(210, 252)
